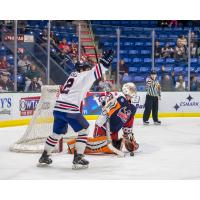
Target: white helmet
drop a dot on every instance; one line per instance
(129, 89)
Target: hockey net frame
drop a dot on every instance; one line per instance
(41, 125)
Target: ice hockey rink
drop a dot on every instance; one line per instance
(169, 151)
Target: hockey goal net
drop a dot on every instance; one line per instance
(41, 124)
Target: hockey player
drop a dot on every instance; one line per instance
(120, 112)
(67, 109)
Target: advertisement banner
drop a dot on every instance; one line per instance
(6, 106)
(20, 106)
(28, 105)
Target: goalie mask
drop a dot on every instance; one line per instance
(129, 89)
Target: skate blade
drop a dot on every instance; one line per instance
(157, 124)
(77, 166)
(42, 165)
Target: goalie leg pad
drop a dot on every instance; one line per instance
(96, 145)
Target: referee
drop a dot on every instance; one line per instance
(153, 95)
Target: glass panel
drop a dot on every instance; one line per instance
(7, 56)
(136, 53)
(171, 58)
(105, 39)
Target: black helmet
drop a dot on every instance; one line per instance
(153, 72)
(82, 65)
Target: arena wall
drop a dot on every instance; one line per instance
(17, 108)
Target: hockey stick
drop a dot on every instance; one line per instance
(109, 140)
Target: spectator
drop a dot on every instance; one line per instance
(74, 49)
(182, 40)
(23, 64)
(180, 84)
(30, 75)
(54, 39)
(193, 38)
(157, 50)
(167, 83)
(4, 65)
(194, 84)
(167, 51)
(198, 52)
(123, 69)
(34, 86)
(179, 51)
(44, 38)
(64, 46)
(193, 49)
(5, 83)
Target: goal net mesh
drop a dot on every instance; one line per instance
(40, 125)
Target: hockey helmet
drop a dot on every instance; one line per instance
(82, 66)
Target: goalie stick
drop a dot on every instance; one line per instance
(109, 140)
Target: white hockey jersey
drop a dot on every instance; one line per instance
(75, 89)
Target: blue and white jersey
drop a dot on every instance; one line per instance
(75, 89)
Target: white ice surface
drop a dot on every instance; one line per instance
(169, 151)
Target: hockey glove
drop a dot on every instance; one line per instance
(106, 58)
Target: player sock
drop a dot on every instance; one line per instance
(81, 143)
(51, 142)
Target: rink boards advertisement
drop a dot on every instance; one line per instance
(18, 108)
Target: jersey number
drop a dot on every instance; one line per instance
(67, 85)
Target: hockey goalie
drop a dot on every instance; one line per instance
(117, 114)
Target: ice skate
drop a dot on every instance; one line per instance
(79, 162)
(157, 123)
(146, 122)
(44, 160)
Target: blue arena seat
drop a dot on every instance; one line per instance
(178, 69)
(144, 69)
(141, 88)
(127, 79)
(145, 52)
(138, 79)
(147, 60)
(194, 60)
(170, 60)
(159, 60)
(157, 69)
(133, 69)
(168, 69)
(136, 60)
(135, 52)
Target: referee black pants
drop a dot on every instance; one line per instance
(151, 104)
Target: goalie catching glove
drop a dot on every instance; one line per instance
(106, 58)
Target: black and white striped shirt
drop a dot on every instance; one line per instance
(153, 87)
